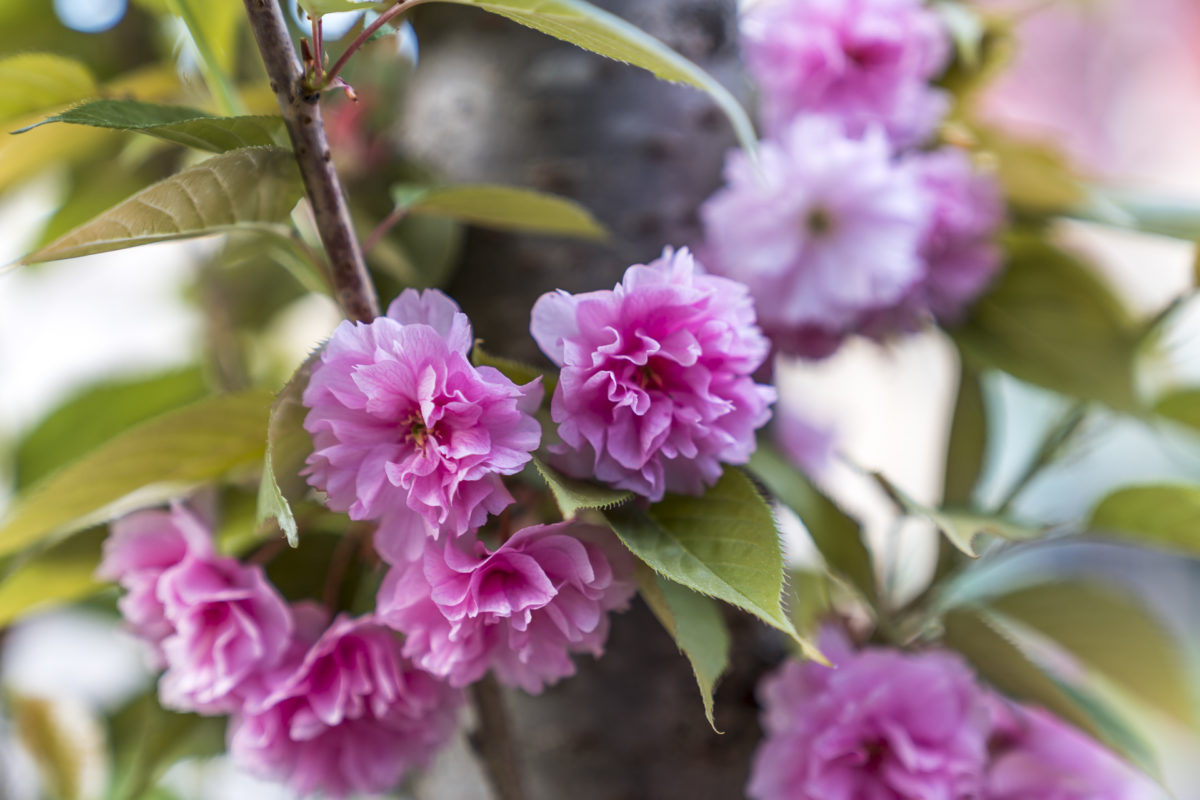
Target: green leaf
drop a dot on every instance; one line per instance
(214, 27)
(1178, 218)
(695, 623)
(1182, 406)
(837, 537)
(968, 441)
(96, 414)
(32, 81)
(591, 28)
(1161, 515)
(67, 744)
(574, 495)
(1114, 634)
(1001, 660)
(59, 574)
(516, 371)
(506, 208)
(723, 544)
(1035, 176)
(288, 446)
(247, 187)
(186, 126)
(148, 739)
(961, 528)
(319, 8)
(1051, 321)
(158, 460)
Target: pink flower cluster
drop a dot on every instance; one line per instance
(334, 709)
(845, 227)
(408, 432)
(915, 726)
(656, 390)
(518, 610)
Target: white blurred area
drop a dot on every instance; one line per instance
(1117, 81)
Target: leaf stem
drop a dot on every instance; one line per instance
(365, 35)
(302, 113)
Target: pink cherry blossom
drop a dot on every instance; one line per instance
(519, 610)
(406, 431)
(866, 62)
(830, 230)
(348, 714)
(655, 392)
(883, 725)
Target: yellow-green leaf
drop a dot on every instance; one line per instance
(507, 208)
(157, 460)
(67, 744)
(695, 623)
(288, 445)
(1164, 515)
(62, 573)
(186, 126)
(968, 441)
(723, 544)
(594, 29)
(33, 81)
(246, 187)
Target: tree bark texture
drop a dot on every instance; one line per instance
(492, 101)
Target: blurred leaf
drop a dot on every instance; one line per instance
(516, 371)
(960, 527)
(96, 414)
(1050, 321)
(288, 446)
(1161, 516)
(1178, 218)
(157, 460)
(723, 544)
(147, 739)
(811, 602)
(836, 535)
(1114, 634)
(23, 157)
(186, 126)
(966, 28)
(420, 251)
(695, 623)
(66, 742)
(968, 441)
(1035, 176)
(591, 28)
(573, 495)
(319, 8)
(58, 574)
(251, 186)
(32, 81)
(506, 208)
(93, 187)
(213, 26)
(996, 655)
(1182, 406)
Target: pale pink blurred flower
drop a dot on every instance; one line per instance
(406, 431)
(519, 611)
(1037, 756)
(655, 392)
(348, 714)
(866, 62)
(829, 231)
(883, 725)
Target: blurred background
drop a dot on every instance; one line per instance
(1114, 83)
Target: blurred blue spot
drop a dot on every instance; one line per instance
(90, 16)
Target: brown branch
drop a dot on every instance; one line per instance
(493, 740)
(300, 109)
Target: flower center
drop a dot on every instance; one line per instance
(648, 378)
(818, 221)
(417, 431)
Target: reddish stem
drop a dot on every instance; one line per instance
(365, 35)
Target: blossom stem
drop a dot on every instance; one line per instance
(300, 109)
(366, 35)
(493, 740)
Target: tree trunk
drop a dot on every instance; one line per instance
(495, 102)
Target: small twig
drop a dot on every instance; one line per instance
(319, 52)
(300, 109)
(365, 36)
(493, 740)
(382, 228)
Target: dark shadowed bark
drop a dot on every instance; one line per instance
(492, 101)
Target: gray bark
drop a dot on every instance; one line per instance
(495, 102)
